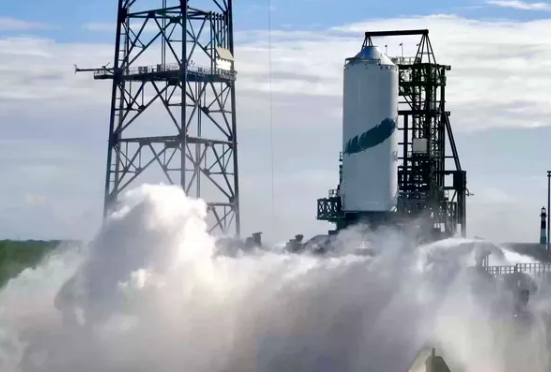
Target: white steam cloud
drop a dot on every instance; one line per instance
(152, 293)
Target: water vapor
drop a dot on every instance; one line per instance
(154, 291)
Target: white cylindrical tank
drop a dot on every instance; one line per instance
(370, 134)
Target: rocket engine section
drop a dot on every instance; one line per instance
(370, 139)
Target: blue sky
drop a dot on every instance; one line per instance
(69, 16)
(497, 94)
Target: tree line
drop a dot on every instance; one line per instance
(17, 255)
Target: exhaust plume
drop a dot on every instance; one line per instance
(154, 292)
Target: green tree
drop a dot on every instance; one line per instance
(16, 256)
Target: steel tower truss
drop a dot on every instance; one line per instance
(194, 94)
(426, 129)
(426, 167)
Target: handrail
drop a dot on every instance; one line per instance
(536, 268)
(405, 60)
(167, 68)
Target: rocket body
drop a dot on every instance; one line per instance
(370, 133)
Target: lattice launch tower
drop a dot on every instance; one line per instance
(173, 103)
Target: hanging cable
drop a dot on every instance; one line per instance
(271, 118)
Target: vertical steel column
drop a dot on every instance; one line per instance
(184, 63)
(112, 142)
(236, 200)
(548, 206)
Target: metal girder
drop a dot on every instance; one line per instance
(329, 209)
(422, 175)
(370, 34)
(176, 59)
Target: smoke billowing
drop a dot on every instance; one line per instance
(150, 293)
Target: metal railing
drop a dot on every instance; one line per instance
(154, 69)
(405, 60)
(527, 268)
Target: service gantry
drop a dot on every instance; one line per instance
(174, 66)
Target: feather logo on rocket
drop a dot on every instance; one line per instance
(371, 138)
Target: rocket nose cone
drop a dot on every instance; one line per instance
(371, 52)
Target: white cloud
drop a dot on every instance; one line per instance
(35, 199)
(496, 215)
(521, 5)
(100, 26)
(11, 24)
(58, 120)
(486, 72)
